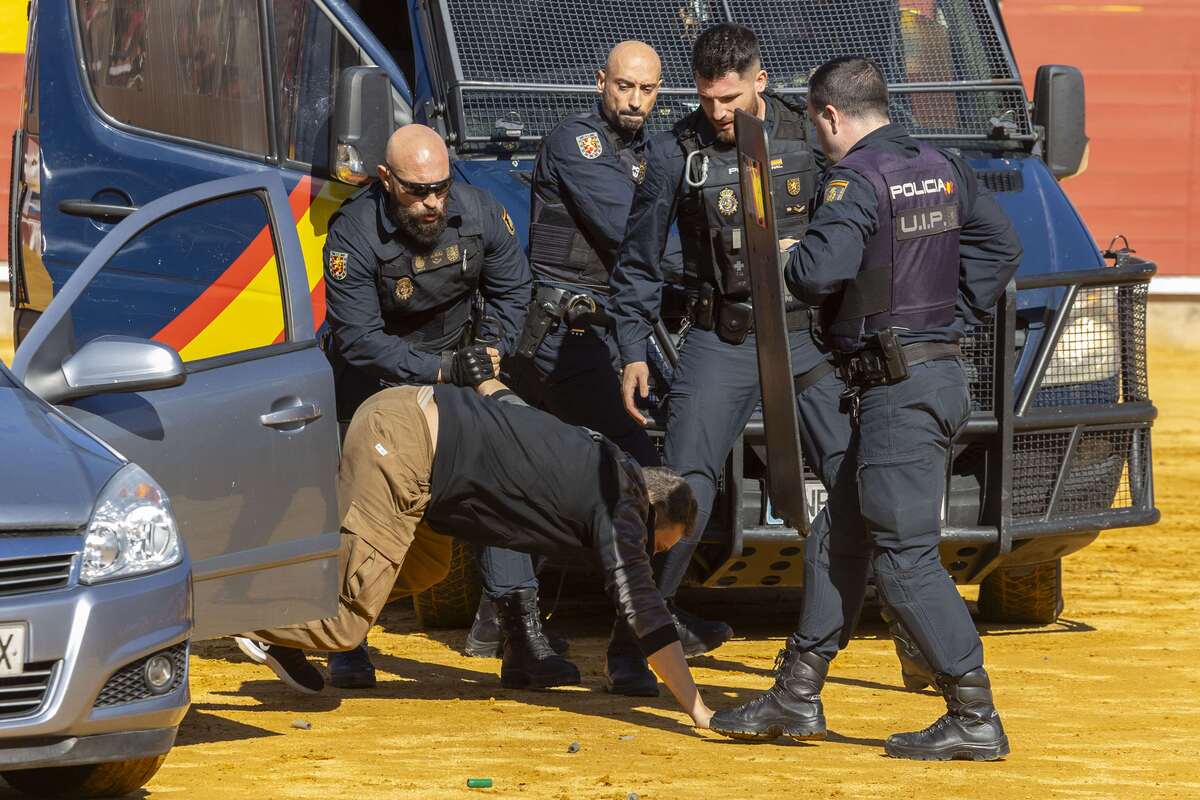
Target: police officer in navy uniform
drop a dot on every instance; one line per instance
(904, 248)
(404, 261)
(583, 184)
(692, 177)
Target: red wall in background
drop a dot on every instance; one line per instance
(12, 80)
(1141, 67)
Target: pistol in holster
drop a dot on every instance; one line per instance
(552, 306)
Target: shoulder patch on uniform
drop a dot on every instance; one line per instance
(835, 190)
(508, 223)
(589, 145)
(337, 264)
(639, 172)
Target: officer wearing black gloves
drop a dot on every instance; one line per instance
(583, 183)
(405, 260)
(691, 176)
(904, 247)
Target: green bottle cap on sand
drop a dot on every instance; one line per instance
(479, 783)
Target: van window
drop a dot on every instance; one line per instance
(189, 68)
(310, 53)
(205, 280)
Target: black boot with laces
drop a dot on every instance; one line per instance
(791, 708)
(529, 660)
(970, 729)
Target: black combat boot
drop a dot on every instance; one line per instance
(626, 668)
(970, 729)
(914, 667)
(791, 708)
(529, 660)
(486, 639)
(697, 635)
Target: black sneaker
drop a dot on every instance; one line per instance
(352, 669)
(697, 635)
(293, 668)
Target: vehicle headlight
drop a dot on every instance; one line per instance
(1090, 347)
(132, 530)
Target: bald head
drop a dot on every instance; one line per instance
(628, 85)
(417, 154)
(417, 178)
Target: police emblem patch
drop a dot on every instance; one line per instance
(337, 264)
(404, 289)
(639, 172)
(727, 202)
(835, 190)
(793, 186)
(452, 254)
(436, 258)
(589, 145)
(508, 223)
(418, 263)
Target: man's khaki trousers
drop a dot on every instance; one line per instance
(387, 551)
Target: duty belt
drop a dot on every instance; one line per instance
(798, 319)
(872, 367)
(551, 306)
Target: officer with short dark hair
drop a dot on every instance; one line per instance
(583, 182)
(904, 247)
(691, 177)
(404, 261)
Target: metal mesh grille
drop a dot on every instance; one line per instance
(128, 684)
(979, 355)
(1037, 459)
(548, 48)
(28, 575)
(1109, 469)
(22, 695)
(1101, 354)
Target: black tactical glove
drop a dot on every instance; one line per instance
(467, 366)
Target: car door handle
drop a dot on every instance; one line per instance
(87, 208)
(292, 415)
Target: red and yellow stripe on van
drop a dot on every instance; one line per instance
(242, 309)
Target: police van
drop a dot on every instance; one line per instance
(129, 100)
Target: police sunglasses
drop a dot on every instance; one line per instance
(438, 188)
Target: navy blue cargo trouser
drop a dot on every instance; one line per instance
(895, 470)
(715, 391)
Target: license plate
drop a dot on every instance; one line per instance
(12, 650)
(814, 500)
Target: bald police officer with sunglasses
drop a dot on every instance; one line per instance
(405, 260)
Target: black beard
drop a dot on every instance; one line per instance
(422, 234)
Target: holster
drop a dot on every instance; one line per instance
(734, 321)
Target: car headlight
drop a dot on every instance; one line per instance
(1090, 347)
(132, 530)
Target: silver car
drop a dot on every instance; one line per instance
(148, 504)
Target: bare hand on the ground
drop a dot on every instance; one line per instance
(635, 377)
(702, 718)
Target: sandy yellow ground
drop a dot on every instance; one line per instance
(1103, 704)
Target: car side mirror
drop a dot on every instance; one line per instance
(112, 364)
(363, 120)
(1058, 109)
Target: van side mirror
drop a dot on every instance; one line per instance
(363, 119)
(111, 364)
(1058, 109)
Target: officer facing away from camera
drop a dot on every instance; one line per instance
(903, 248)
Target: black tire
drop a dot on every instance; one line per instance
(110, 779)
(1031, 593)
(452, 603)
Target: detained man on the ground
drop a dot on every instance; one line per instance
(420, 462)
